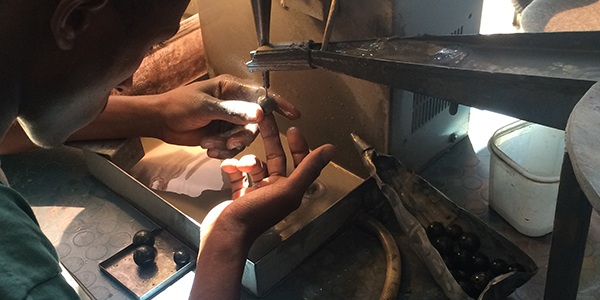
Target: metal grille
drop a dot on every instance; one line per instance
(425, 108)
(458, 31)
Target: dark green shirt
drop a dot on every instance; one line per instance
(29, 267)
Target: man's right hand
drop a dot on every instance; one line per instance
(229, 229)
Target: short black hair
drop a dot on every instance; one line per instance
(132, 7)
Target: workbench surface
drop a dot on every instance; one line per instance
(88, 223)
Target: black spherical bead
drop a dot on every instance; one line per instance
(469, 241)
(464, 260)
(482, 262)
(144, 255)
(181, 257)
(516, 267)
(498, 267)
(443, 244)
(143, 237)
(480, 280)
(454, 231)
(435, 230)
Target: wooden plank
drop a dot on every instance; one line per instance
(178, 61)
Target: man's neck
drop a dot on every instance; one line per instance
(11, 66)
(9, 98)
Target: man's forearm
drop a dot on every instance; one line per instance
(220, 266)
(15, 140)
(124, 116)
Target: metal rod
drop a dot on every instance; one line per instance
(262, 20)
(329, 26)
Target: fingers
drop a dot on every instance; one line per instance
(237, 171)
(309, 169)
(233, 88)
(230, 143)
(254, 167)
(297, 144)
(222, 154)
(232, 111)
(236, 177)
(276, 160)
(243, 138)
(285, 108)
(261, 210)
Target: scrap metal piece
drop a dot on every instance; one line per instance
(416, 203)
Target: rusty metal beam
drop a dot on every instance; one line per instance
(537, 77)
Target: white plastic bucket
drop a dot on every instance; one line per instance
(525, 164)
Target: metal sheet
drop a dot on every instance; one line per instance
(275, 253)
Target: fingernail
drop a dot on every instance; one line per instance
(288, 114)
(207, 145)
(251, 115)
(212, 153)
(329, 152)
(234, 145)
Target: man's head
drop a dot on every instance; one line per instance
(83, 49)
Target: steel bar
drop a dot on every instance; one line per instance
(262, 20)
(537, 77)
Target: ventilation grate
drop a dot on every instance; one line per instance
(458, 31)
(425, 108)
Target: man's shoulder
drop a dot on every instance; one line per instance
(27, 257)
(3, 179)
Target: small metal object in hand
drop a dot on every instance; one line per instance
(267, 103)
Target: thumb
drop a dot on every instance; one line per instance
(310, 168)
(235, 111)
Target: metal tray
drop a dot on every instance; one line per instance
(416, 203)
(146, 282)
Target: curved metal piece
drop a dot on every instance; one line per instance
(416, 203)
(392, 256)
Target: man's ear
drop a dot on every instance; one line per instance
(71, 18)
